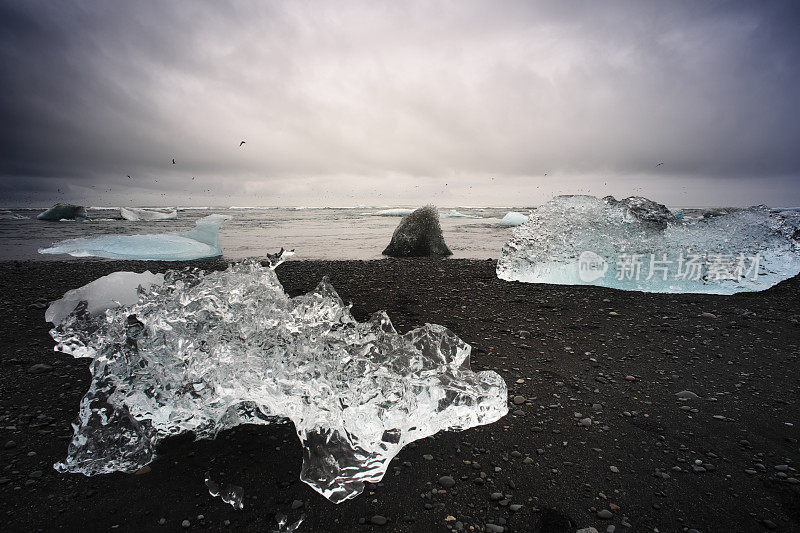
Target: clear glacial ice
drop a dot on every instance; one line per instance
(637, 244)
(204, 352)
(202, 242)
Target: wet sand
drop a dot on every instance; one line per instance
(646, 459)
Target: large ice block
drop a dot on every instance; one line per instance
(637, 244)
(199, 243)
(202, 353)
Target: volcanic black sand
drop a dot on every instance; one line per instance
(722, 462)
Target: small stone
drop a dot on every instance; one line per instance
(10, 444)
(527, 460)
(518, 400)
(495, 496)
(162, 521)
(516, 453)
(781, 468)
(186, 524)
(36, 474)
(686, 395)
(630, 378)
(586, 422)
(447, 481)
(428, 457)
(514, 507)
(143, 470)
(297, 504)
(614, 469)
(605, 514)
(706, 314)
(493, 528)
(40, 368)
(769, 524)
(587, 530)
(378, 520)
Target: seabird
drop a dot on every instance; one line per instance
(129, 177)
(173, 160)
(658, 165)
(240, 144)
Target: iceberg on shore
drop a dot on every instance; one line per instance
(418, 235)
(137, 214)
(513, 218)
(200, 243)
(203, 353)
(63, 212)
(637, 244)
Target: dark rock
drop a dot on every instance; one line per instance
(378, 520)
(418, 235)
(40, 368)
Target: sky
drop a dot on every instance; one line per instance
(491, 103)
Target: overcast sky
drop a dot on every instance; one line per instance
(391, 103)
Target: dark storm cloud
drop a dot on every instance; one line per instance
(352, 102)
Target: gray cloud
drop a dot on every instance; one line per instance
(386, 102)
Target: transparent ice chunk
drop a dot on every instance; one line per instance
(203, 353)
(638, 244)
(231, 494)
(199, 243)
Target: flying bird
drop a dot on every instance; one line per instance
(129, 177)
(173, 160)
(240, 144)
(658, 165)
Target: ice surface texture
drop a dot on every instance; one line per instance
(113, 290)
(63, 211)
(199, 243)
(206, 352)
(136, 214)
(584, 240)
(418, 234)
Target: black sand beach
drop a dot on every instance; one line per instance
(722, 462)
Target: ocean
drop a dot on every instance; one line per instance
(314, 233)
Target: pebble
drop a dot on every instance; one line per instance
(447, 481)
(605, 514)
(428, 457)
(769, 524)
(518, 400)
(40, 368)
(630, 378)
(514, 507)
(186, 524)
(297, 504)
(614, 469)
(10, 444)
(586, 421)
(162, 521)
(495, 496)
(493, 528)
(378, 520)
(686, 395)
(587, 530)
